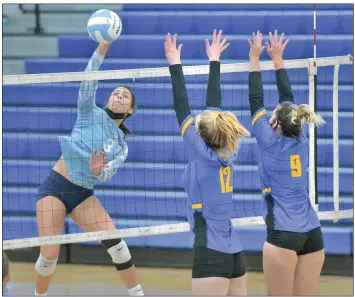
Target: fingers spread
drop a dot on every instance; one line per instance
(271, 38)
(174, 40)
(225, 47)
(285, 44)
(219, 36)
(224, 41)
(275, 36)
(267, 45)
(254, 38)
(179, 48)
(281, 38)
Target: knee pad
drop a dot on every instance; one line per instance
(119, 252)
(45, 267)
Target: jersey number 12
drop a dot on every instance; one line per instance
(225, 182)
(296, 167)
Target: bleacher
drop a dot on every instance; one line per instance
(146, 189)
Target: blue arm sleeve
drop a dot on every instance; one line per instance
(107, 173)
(87, 91)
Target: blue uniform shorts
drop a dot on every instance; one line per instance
(58, 186)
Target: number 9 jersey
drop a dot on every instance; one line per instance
(284, 178)
(208, 182)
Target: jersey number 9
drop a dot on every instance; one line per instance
(225, 183)
(296, 167)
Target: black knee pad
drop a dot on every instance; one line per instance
(119, 252)
(108, 243)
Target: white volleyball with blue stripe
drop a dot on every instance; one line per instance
(104, 26)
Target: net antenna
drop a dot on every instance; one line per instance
(312, 73)
(189, 70)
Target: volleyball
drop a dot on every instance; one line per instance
(104, 26)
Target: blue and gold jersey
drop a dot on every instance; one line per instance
(283, 173)
(283, 166)
(93, 130)
(208, 182)
(208, 178)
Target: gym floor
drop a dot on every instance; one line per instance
(96, 280)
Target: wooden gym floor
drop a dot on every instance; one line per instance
(90, 280)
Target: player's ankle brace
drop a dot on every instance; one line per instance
(119, 252)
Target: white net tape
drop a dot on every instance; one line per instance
(164, 72)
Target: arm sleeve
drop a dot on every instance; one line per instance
(283, 86)
(261, 128)
(87, 91)
(256, 92)
(214, 93)
(181, 104)
(107, 173)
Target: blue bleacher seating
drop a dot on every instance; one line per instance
(145, 121)
(71, 46)
(160, 95)
(235, 22)
(146, 190)
(167, 149)
(151, 176)
(144, 204)
(234, 7)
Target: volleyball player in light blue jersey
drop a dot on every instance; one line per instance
(69, 188)
(293, 253)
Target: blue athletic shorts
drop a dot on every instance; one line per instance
(58, 186)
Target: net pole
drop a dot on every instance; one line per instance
(315, 190)
(312, 170)
(336, 140)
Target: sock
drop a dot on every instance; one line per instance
(37, 294)
(136, 291)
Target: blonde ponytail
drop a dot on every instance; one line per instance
(221, 129)
(304, 114)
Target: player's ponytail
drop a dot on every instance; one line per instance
(229, 130)
(221, 129)
(304, 114)
(292, 118)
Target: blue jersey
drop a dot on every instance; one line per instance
(93, 130)
(208, 182)
(284, 178)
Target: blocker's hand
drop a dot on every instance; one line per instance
(256, 47)
(172, 53)
(217, 47)
(277, 47)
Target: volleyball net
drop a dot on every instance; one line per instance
(145, 197)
